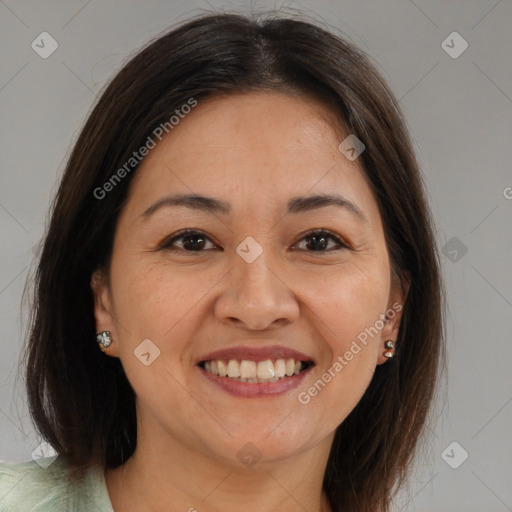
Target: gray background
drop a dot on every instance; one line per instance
(460, 114)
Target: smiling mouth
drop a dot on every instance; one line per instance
(270, 370)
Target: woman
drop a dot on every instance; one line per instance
(242, 230)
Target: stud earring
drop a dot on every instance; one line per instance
(104, 339)
(390, 346)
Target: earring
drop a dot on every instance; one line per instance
(389, 345)
(104, 339)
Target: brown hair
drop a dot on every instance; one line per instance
(80, 400)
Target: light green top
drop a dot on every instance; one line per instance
(41, 486)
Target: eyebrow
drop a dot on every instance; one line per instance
(216, 206)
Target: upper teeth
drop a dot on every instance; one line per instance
(252, 371)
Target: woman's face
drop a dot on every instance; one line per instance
(250, 284)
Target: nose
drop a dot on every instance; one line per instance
(256, 296)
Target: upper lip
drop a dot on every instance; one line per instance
(256, 354)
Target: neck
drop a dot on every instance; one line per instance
(164, 471)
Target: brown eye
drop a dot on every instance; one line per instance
(318, 241)
(190, 240)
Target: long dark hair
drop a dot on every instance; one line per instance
(80, 400)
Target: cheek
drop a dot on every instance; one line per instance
(348, 302)
(160, 303)
(346, 309)
(155, 303)
(149, 294)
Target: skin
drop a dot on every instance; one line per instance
(254, 151)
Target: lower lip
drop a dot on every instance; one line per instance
(256, 389)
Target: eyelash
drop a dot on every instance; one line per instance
(167, 244)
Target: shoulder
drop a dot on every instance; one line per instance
(44, 485)
(23, 485)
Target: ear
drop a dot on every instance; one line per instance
(397, 298)
(103, 311)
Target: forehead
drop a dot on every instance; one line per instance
(265, 126)
(258, 146)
